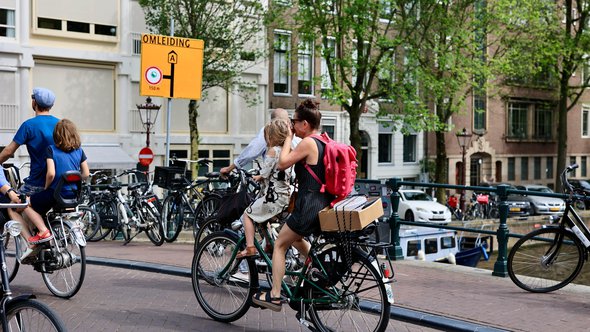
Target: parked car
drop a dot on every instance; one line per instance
(416, 205)
(518, 205)
(540, 204)
(581, 187)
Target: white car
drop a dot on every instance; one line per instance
(416, 205)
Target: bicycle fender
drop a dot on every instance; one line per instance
(78, 235)
(232, 234)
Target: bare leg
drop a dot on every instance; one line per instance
(249, 231)
(36, 219)
(25, 232)
(286, 238)
(303, 247)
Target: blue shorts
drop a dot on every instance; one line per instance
(29, 190)
(43, 201)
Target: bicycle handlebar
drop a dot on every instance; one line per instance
(13, 205)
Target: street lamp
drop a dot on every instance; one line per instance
(463, 138)
(147, 117)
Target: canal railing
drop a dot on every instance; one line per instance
(502, 233)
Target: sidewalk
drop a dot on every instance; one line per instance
(445, 291)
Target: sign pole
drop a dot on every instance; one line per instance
(168, 112)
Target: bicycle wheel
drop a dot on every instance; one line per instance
(545, 260)
(91, 221)
(224, 297)
(205, 209)
(32, 315)
(10, 247)
(67, 264)
(209, 226)
(172, 217)
(109, 217)
(153, 223)
(362, 301)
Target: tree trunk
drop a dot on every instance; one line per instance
(193, 114)
(355, 134)
(440, 170)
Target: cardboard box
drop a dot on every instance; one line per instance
(351, 220)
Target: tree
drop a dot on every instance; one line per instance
(359, 41)
(233, 31)
(553, 40)
(449, 47)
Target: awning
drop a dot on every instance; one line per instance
(109, 156)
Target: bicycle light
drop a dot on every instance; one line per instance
(14, 227)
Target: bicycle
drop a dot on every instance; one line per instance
(128, 216)
(549, 258)
(189, 203)
(62, 260)
(23, 312)
(328, 293)
(453, 206)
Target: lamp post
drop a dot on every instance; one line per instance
(463, 138)
(147, 118)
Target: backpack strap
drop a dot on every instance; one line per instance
(321, 138)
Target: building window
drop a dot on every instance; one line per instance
(305, 68)
(136, 43)
(220, 157)
(479, 113)
(583, 166)
(7, 23)
(282, 64)
(48, 23)
(524, 168)
(106, 30)
(530, 120)
(511, 169)
(409, 148)
(78, 27)
(329, 129)
(585, 122)
(328, 52)
(549, 169)
(385, 148)
(537, 168)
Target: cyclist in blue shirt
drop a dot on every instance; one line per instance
(37, 134)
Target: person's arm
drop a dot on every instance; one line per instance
(8, 151)
(6, 189)
(254, 150)
(85, 170)
(50, 172)
(290, 157)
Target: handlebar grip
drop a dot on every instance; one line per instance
(572, 167)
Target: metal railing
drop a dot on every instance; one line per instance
(502, 233)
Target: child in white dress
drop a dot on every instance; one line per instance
(275, 186)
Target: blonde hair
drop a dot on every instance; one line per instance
(65, 136)
(276, 131)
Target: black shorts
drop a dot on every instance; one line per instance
(43, 201)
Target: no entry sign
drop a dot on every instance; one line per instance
(146, 156)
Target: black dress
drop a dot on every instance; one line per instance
(304, 220)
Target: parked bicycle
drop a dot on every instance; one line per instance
(331, 291)
(549, 258)
(188, 203)
(23, 312)
(62, 260)
(130, 214)
(453, 205)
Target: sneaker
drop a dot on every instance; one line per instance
(41, 237)
(26, 254)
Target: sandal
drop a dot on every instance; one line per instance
(266, 301)
(248, 252)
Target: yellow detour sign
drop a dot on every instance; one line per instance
(171, 67)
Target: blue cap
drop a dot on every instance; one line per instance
(43, 97)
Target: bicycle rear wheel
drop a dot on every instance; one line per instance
(109, 217)
(67, 265)
(91, 221)
(32, 315)
(362, 302)
(172, 217)
(224, 297)
(545, 260)
(205, 209)
(153, 223)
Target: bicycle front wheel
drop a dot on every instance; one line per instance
(362, 301)
(172, 217)
(67, 264)
(11, 243)
(205, 209)
(32, 315)
(545, 260)
(222, 285)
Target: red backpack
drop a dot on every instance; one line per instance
(340, 164)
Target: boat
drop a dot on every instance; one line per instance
(438, 245)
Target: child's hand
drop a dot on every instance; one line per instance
(257, 178)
